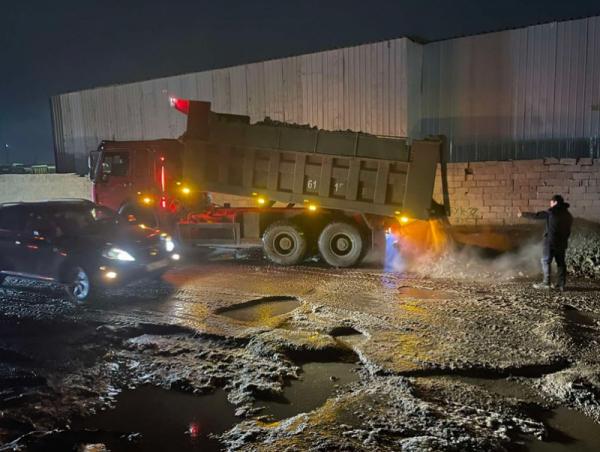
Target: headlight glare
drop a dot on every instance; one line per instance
(169, 244)
(118, 254)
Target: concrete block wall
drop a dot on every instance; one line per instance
(491, 193)
(39, 187)
(481, 193)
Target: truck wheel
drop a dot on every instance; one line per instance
(341, 244)
(78, 284)
(284, 243)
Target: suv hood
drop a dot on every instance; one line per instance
(128, 237)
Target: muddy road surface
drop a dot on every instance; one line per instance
(240, 355)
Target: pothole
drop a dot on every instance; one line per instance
(586, 319)
(504, 387)
(342, 331)
(261, 309)
(347, 336)
(580, 325)
(318, 381)
(150, 419)
(528, 370)
(567, 430)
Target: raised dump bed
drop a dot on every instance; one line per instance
(341, 170)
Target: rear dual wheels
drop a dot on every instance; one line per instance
(284, 243)
(341, 244)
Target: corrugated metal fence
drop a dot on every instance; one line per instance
(518, 94)
(360, 88)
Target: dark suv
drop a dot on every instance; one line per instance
(79, 244)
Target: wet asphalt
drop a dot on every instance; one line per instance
(427, 332)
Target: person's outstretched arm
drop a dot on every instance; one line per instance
(541, 215)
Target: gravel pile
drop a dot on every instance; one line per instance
(583, 257)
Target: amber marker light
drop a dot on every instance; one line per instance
(261, 201)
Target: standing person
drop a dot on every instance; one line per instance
(556, 238)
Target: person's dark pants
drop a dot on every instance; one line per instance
(550, 254)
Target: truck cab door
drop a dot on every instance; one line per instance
(114, 184)
(142, 175)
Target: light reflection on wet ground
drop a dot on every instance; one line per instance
(163, 421)
(260, 311)
(316, 384)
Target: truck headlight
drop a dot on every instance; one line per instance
(118, 254)
(169, 244)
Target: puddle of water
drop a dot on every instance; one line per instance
(317, 383)
(260, 310)
(167, 420)
(568, 430)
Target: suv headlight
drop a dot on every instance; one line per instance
(118, 254)
(169, 244)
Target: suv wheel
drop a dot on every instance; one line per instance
(78, 285)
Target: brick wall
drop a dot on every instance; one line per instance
(493, 192)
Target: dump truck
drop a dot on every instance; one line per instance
(308, 191)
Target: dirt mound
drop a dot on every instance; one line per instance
(583, 256)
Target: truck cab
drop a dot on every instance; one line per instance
(126, 174)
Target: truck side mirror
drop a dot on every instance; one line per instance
(93, 164)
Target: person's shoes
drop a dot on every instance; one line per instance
(557, 287)
(544, 286)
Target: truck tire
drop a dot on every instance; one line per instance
(284, 243)
(341, 244)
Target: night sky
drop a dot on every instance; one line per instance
(52, 47)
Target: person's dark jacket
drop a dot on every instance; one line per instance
(558, 225)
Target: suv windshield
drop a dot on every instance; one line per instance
(77, 218)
